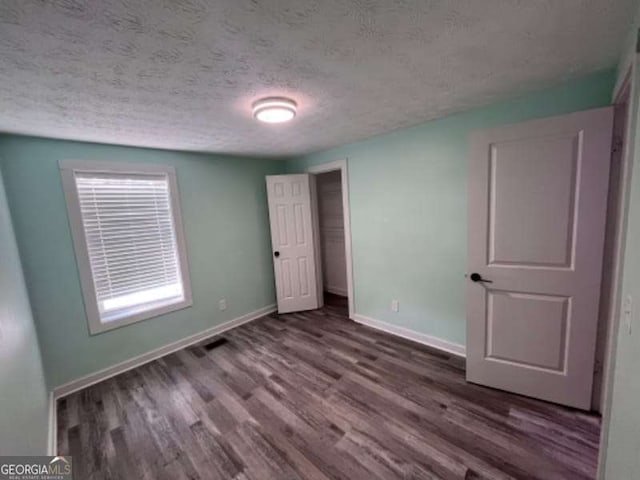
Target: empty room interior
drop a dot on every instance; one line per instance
(306, 239)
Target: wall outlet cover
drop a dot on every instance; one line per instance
(395, 306)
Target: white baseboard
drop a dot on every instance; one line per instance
(434, 342)
(336, 291)
(83, 382)
(52, 439)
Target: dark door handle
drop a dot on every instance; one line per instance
(476, 277)
(276, 254)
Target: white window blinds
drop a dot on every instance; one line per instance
(131, 241)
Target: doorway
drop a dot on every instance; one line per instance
(294, 211)
(331, 236)
(331, 201)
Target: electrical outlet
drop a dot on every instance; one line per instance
(395, 306)
(627, 312)
(222, 304)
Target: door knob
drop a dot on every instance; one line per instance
(476, 277)
(276, 254)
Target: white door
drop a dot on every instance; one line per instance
(537, 203)
(293, 243)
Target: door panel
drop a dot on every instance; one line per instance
(533, 180)
(292, 238)
(537, 203)
(527, 329)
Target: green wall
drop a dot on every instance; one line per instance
(408, 193)
(226, 225)
(24, 410)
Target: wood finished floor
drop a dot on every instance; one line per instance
(316, 396)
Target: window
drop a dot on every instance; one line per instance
(129, 242)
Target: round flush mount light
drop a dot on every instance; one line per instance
(274, 109)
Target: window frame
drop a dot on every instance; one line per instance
(68, 171)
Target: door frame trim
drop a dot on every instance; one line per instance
(621, 95)
(341, 165)
(628, 86)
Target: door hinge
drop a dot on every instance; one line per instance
(616, 144)
(597, 367)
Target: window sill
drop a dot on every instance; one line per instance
(121, 319)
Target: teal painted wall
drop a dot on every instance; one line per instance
(24, 409)
(408, 193)
(226, 225)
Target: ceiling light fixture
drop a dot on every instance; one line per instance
(274, 109)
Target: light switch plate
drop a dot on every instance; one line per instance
(395, 306)
(627, 312)
(222, 304)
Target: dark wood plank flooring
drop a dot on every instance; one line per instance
(316, 396)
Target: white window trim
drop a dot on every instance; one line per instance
(68, 170)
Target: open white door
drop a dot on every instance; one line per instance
(537, 204)
(293, 241)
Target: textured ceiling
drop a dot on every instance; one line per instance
(182, 74)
